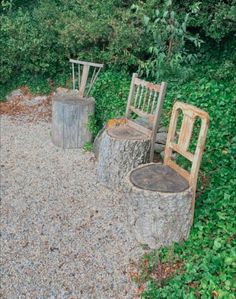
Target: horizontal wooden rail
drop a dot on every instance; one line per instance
(184, 173)
(86, 63)
(184, 153)
(142, 129)
(148, 85)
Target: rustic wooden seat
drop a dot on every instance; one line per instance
(161, 197)
(129, 142)
(158, 177)
(71, 111)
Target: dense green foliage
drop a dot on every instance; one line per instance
(191, 45)
(38, 37)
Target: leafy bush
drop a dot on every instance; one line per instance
(168, 47)
(38, 37)
(111, 94)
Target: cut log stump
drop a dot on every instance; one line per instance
(70, 117)
(121, 149)
(159, 205)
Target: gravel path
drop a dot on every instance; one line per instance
(63, 234)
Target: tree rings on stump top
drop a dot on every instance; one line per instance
(73, 99)
(158, 177)
(125, 132)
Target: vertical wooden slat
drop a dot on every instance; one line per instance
(84, 79)
(197, 158)
(157, 117)
(171, 135)
(73, 76)
(145, 99)
(78, 76)
(153, 101)
(186, 131)
(140, 98)
(94, 80)
(149, 99)
(136, 95)
(131, 94)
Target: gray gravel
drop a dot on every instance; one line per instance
(63, 234)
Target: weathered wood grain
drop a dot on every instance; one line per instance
(120, 150)
(70, 116)
(157, 218)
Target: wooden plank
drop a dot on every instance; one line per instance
(131, 95)
(84, 80)
(87, 63)
(139, 112)
(139, 128)
(140, 98)
(73, 75)
(180, 150)
(186, 131)
(184, 173)
(93, 81)
(147, 84)
(171, 134)
(157, 116)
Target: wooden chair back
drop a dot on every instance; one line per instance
(190, 114)
(80, 75)
(146, 100)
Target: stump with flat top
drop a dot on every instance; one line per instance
(70, 117)
(159, 205)
(121, 149)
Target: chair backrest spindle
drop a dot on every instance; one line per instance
(145, 102)
(84, 83)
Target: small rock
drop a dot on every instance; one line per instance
(35, 101)
(142, 121)
(158, 148)
(174, 155)
(161, 138)
(62, 90)
(162, 129)
(14, 94)
(24, 243)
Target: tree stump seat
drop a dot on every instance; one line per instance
(160, 198)
(128, 142)
(125, 132)
(70, 117)
(159, 212)
(121, 149)
(158, 177)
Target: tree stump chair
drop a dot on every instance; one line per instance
(161, 197)
(127, 143)
(71, 111)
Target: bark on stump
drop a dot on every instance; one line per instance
(121, 149)
(159, 203)
(70, 116)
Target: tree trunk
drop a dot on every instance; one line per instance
(118, 155)
(158, 218)
(70, 117)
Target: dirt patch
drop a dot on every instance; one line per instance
(27, 106)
